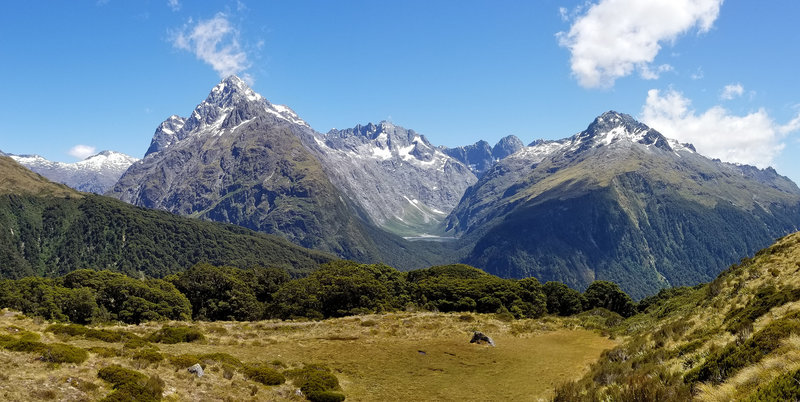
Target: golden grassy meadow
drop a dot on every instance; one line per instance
(398, 356)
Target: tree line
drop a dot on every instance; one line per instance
(340, 288)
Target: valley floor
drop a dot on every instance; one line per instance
(398, 356)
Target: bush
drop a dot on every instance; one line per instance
(608, 295)
(223, 358)
(148, 355)
(721, 365)
(264, 375)
(184, 361)
(130, 385)
(325, 396)
(68, 329)
(783, 388)
(136, 343)
(105, 335)
(313, 379)
(21, 345)
(118, 375)
(62, 353)
(103, 351)
(171, 335)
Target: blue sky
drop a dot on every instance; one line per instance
(104, 74)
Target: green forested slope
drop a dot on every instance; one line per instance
(43, 234)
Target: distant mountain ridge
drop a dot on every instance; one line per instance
(95, 174)
(619, 201)
(480, 157)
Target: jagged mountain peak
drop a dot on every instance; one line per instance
(229, 104)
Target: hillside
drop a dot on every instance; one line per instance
(49, 229)
(735, 338)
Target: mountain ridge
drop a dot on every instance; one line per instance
(94, 174)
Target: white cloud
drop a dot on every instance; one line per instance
(753, 139)
(174, 5)
(614, 38)
(214, 41)
(81, 151)
(732, 91)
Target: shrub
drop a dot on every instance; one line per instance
(21, 345)
(313, 379)
(184, 361)
(171, 335)
(264, 375)
(62, 353)
(68, 329)
(222, 358)
(325, 396)
(103, 351)
(148, 355)
(783, 388)
(136, 343)
(118, 375)
(721, 365)
(104, 335)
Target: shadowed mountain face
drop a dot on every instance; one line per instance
(240, 159)
(619, 201)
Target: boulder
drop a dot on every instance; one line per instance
(196, 369)
(480, 338)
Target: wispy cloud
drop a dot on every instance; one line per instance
(81, 151)
(614, 38)
(754, 138)
(732, 91)
(174, 5)
(216, 42)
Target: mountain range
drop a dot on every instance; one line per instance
(617, 201)
(95, 174)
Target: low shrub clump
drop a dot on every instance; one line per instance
(148, 355)
(67, 329)
(171, 335)
(264, 375)
(103, 351)
(784, 388)
(184, 361)
(62, 353)
(316, 382)
(131, 385)
(721, 365)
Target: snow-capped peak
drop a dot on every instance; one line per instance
(96, 173)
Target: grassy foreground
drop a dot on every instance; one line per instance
(418, 356)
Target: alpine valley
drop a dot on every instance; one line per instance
(618, 201)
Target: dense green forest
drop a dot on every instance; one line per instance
(339, 288)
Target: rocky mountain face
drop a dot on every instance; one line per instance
(619, 201)
(95, 174)
(480, 157)
(402, 182)
(240, 159)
